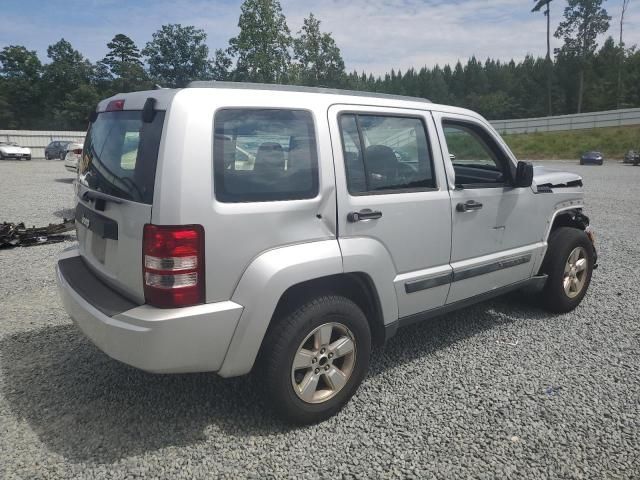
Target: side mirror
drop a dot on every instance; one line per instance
(524, 174)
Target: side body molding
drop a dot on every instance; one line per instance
(260, 288)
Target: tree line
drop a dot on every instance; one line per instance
(579, 76)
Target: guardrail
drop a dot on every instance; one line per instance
(578, 121)
(38, 140)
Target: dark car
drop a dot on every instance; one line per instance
(591, 158)
(56, 149)
(632, 156)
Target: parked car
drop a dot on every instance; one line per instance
(290, 230)
(591, 158)
(72, 156)
(11, 150)
(56, 150)
(632, 157)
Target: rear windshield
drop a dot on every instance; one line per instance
(120, 155)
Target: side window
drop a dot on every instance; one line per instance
(385, 154)
(264, 155)
(477, 160)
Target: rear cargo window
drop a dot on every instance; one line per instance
(120, 155)
(264, 155)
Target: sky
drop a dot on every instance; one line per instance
(373, 35)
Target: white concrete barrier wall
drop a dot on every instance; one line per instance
(38, 140)
(578, 121)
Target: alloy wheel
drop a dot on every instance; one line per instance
(575, 272)
(323, 363)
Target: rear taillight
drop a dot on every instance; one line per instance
(77, 151)
(173, 265)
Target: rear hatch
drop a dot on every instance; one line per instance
(115, 194)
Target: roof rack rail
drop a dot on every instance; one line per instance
(297, 88)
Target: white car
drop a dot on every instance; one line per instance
(11, 150)
(72, 155)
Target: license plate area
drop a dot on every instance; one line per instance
(100, 226)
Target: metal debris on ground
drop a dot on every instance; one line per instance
(17, 235)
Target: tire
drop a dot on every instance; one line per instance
(342, 322)
(563, 242)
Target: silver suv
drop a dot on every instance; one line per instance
(230, 227)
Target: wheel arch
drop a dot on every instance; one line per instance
(356, 286)
(281, 278)
(572, 217)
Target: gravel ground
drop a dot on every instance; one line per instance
(500, 389)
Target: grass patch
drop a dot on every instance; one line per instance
(613, 142)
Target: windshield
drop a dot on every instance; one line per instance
(120, 155)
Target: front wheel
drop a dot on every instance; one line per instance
(315, 358)
(569, 266)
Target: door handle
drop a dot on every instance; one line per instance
(365, 214)
(468, 206)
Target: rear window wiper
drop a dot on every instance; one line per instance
(93, 195)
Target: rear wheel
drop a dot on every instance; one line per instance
(569, 266)
(314, 358)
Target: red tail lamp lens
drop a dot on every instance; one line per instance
(173, 265)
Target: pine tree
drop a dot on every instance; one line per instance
(583, 21)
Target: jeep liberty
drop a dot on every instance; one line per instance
(229, 227)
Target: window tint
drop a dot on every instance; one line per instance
(475, 157)
(385, 153)
(264, 155)
(120, 155)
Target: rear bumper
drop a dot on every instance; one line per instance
(191, 339)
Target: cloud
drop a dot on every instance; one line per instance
(374, 35)
(377, 35)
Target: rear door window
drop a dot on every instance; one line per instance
(386, 154)
(121, 154)
(264, 155)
